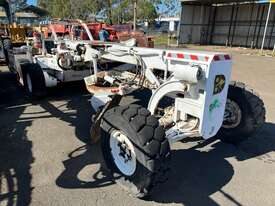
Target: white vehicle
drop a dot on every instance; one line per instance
(60, 59)
(200, 101)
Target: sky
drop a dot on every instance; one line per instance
(33, 2)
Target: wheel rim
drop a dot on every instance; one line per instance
(123, 153)
(29, 83)
(232, 115)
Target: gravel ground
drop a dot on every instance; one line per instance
(44, 158)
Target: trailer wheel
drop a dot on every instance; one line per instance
(34, 81)
(134, 148)
(244, 114)
(7, 45)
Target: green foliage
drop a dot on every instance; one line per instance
(43, 3)
(70, 8)
(123, 11)
(146, 10)
(162, 40)
(60, 8)
(117, 11)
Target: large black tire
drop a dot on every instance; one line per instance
(34, 80)
(252, 112)
(7, 45)
(150, 145)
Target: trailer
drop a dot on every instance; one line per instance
(46, 61)
(55, 54)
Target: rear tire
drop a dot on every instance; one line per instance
(34, 81)
(150, 149)
(7, 45)
(249, 114)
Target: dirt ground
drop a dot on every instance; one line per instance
(44, 158)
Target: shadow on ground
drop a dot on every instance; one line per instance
(77, 101)
(15, 148)
(196, 173)
(76, 162)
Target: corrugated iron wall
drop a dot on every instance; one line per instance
(232, 25)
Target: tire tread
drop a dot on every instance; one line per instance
(151, 139)
(256, 111)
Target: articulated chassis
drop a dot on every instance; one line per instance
(197, 81)
(201, 102)
(194, 86)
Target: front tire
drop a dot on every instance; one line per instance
(134, 148)
(244, 114)
(34, 80)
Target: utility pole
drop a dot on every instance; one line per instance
(266, 25)
(110, 11)
(9, 10)
(135, 15)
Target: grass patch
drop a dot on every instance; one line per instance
(162, 40)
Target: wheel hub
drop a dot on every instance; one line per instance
(232, 115)
(123, 154)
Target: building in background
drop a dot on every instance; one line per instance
(21, 13)
(21, 18)
(167, 24)
(227, 22)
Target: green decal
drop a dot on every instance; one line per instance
(215, 104)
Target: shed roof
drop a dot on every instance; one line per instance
(34, 9)
(20, 15)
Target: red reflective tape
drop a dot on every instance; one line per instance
(216, 58)
(227, 57)
(114, 90)
(187, 56)
(194, 57)
(180, 56)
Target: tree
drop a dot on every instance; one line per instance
(146, 10)
(116, 11)
(123, 11)
(71, 8)
(109, 10)
(42, 3)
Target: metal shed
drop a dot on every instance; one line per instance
(228, 22)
